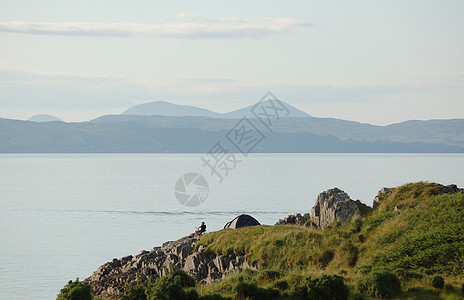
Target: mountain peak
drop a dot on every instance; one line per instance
(164, 108)
(44, 118)
(286, 109)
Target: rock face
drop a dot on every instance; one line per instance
(331, 206)
(109, 279)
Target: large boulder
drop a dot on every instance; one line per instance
(331, 206)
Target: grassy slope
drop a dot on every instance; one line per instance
(425, 237)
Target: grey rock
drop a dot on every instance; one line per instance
(109, 279)
(450, 189)
(222, 263)
(296, 219)
(331, 206)
(126, 259)
(192, 262)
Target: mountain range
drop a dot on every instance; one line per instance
(169, 128)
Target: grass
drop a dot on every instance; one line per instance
(422, 237)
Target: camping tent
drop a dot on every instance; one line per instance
(241, 221)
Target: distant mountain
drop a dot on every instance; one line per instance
(162, 134)
(164, 108)
(44, 118)
(159, 127)
(248, 111)
(438, 132)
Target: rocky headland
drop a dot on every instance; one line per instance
(108, 281)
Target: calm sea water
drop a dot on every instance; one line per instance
(63, 215)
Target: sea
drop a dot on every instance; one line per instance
(64, 215)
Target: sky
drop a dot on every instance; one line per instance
(378, 62)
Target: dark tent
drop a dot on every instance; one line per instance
(241, 221)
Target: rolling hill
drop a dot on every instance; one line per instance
(169, 128)
(157, 134)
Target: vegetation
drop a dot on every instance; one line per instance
(392, 251)
(380, 283)
(437, 281)
(407, 248)
(426, 234)
(176, 285)
(75, 290)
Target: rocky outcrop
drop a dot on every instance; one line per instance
(331, 206)
(109, 279)
(385, 192)
(450, 189)
(295, 219)
(382, 194)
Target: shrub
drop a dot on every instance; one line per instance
(462, 288)
(172, 287)
(268, 275)
(449, 287)
(437, 281)
(247, 274)
(211, 297)
(134, 292)
(248, 290)
(325, 258)
(191, 294)
(328, 287)
(380, 283)
(281, 284)
(75, 290)
(365, 269)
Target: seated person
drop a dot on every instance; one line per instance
(200, 229)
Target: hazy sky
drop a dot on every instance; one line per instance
(370, 61)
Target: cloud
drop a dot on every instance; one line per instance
(186, 28)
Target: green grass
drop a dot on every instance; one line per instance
(422, 237)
